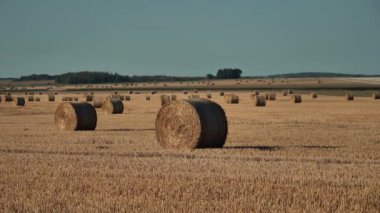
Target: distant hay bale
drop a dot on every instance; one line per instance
(65, 98)
(185, 92)
(174, 97)
(153, 92)
(137, 92)
(232, 99)
(259, 101)
(38, 99)
(256, 92)
(147, 97)
(127, 98)
(89, 98)
(221, 93)
(253, 96)
(165, 99)
(285, 93)
(209, 96)
(290, 91)
(97, 102)
(271, 96)
(115, 92)
(191, 124)
(75, 116)
(266, 96)
(195, 91)
(75, 99)
(1, 99)
(51, 97)
(349, 97)
(296, 99)
(30, 98)
(70, 99)
(19, 101)
(376, 95)
(113, 107)
(122, 97)
(314, 95)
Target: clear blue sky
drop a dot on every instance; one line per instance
(177, 37)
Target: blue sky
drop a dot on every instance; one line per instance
(188, 38)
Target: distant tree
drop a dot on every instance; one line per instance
(229, 73)
(210, 76)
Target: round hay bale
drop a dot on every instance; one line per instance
(38, 99)
(349, 97)
(8, 98)
(30, 98)
(232, 99)
(296, 99)
(165, 99)
(174, 97)
(185, 92)
(314, 95)
(153, 92)
(285, 93)
(70, 99)
(191, 124)
(272, 97)
(147, 97)
(290, 91)
(19, 101)
(122, 97)
(1, 99)
(75, 116)
(127, 98)
(51, 97)
(221, 93)
(253, 96)
(195, 91)
(113, 107)
(97, 102)
(89, 98)
(259, 101)
(209, 96)
(376, 95)
(266, 96)
(256, 92)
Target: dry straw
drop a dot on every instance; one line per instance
(349, 97)
(19, 101)
(75, 116)
(259, 101)
(296, 99)
(191, 124)
(113, 106)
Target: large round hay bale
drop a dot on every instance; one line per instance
(113, 107)
(51, 97)
(30, 98)
(232, 99)
(122, 97)
(376, 95)
(259, 101)
(19, 101)
(165, 99)
(198, 123)
(296, 99)
(75, 116)
(97, 102)
(349, 97)
(314, 95)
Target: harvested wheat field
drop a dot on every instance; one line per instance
(320, 155)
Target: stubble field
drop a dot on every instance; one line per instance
(320, 155)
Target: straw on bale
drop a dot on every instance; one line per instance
(51, 97)
(174, 97)
(296, 99)
(195, 97)
(127, 98)
(272, 96)
(221, 93)
(165, 99)
(376, 95)
(232, 99)
(349, 97)
(8, 98)
(113, 107)
(259, 101)
(75, 116)
(98, 102)
(30, 98)
(191, 124)
(314, 95)
(89, 98)
(19, 101)
(147, 97)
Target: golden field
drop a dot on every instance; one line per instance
(322, 155)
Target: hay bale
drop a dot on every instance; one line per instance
(38, 99)
(1, 99)
(75, 99)
(296, 99)
(191, 124)
(30, 98)
(272, 97)
(252, 96)
(19, 101)
(122, 97)
(165, 99)
(232, 99)
(256, 92)
(153, 92)
(209, 96)
(51, 97)
(89, 98)
(185, 92)
(8, 98)
(259, 101)
(266, 96)
(376, 95)
(285, 93)
(314, 95)
(97, 102)
(75, 116)
(147, 97)
(113, 107)
(221, 93)
(195, 91)
(349, 97)
(174, 97)
(290, 92)
(127, 98)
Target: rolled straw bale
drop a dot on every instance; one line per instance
(221, 93)
(75, 116)
(137, 92)
(285, 93)
(253, 96)
(256, 92)
(195, 91)
(127, 98)
(296, 99)
(165, 99)
(89, 98)
(198, 123)
(113, 106)
(147, 97)
(174, 97)
(70, 98)
(314, 95)
(209, 96)
(30, 98)
(266, 96)
(349, 97)
(376, 95)
(185, 92)
(51, 97)
(153, 92)
(259, 100)
(122, 97)
(233, 99)
(98, 102)
(272, 96)
(75, 99)
(290, 91)
(1, 99)
(38, 99)
(19, 101)
(65, 98)
(8, 98)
